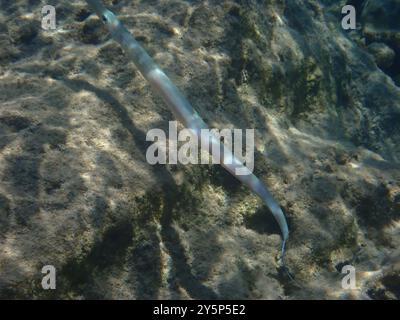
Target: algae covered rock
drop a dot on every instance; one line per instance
(77, 192)
(380, 20)
(380, 23)
(384, 55)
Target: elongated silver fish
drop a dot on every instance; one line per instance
(184, 112)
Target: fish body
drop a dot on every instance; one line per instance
(184, 112)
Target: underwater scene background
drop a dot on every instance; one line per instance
(76, 191)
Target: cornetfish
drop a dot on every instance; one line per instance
(184, 112)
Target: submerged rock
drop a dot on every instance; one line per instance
(384, 55)
(77, 192)
(380, 20)
(381, 23)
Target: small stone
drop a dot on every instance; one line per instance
(26, 32)
(342, 158)
(383, 55)
(329, 168)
